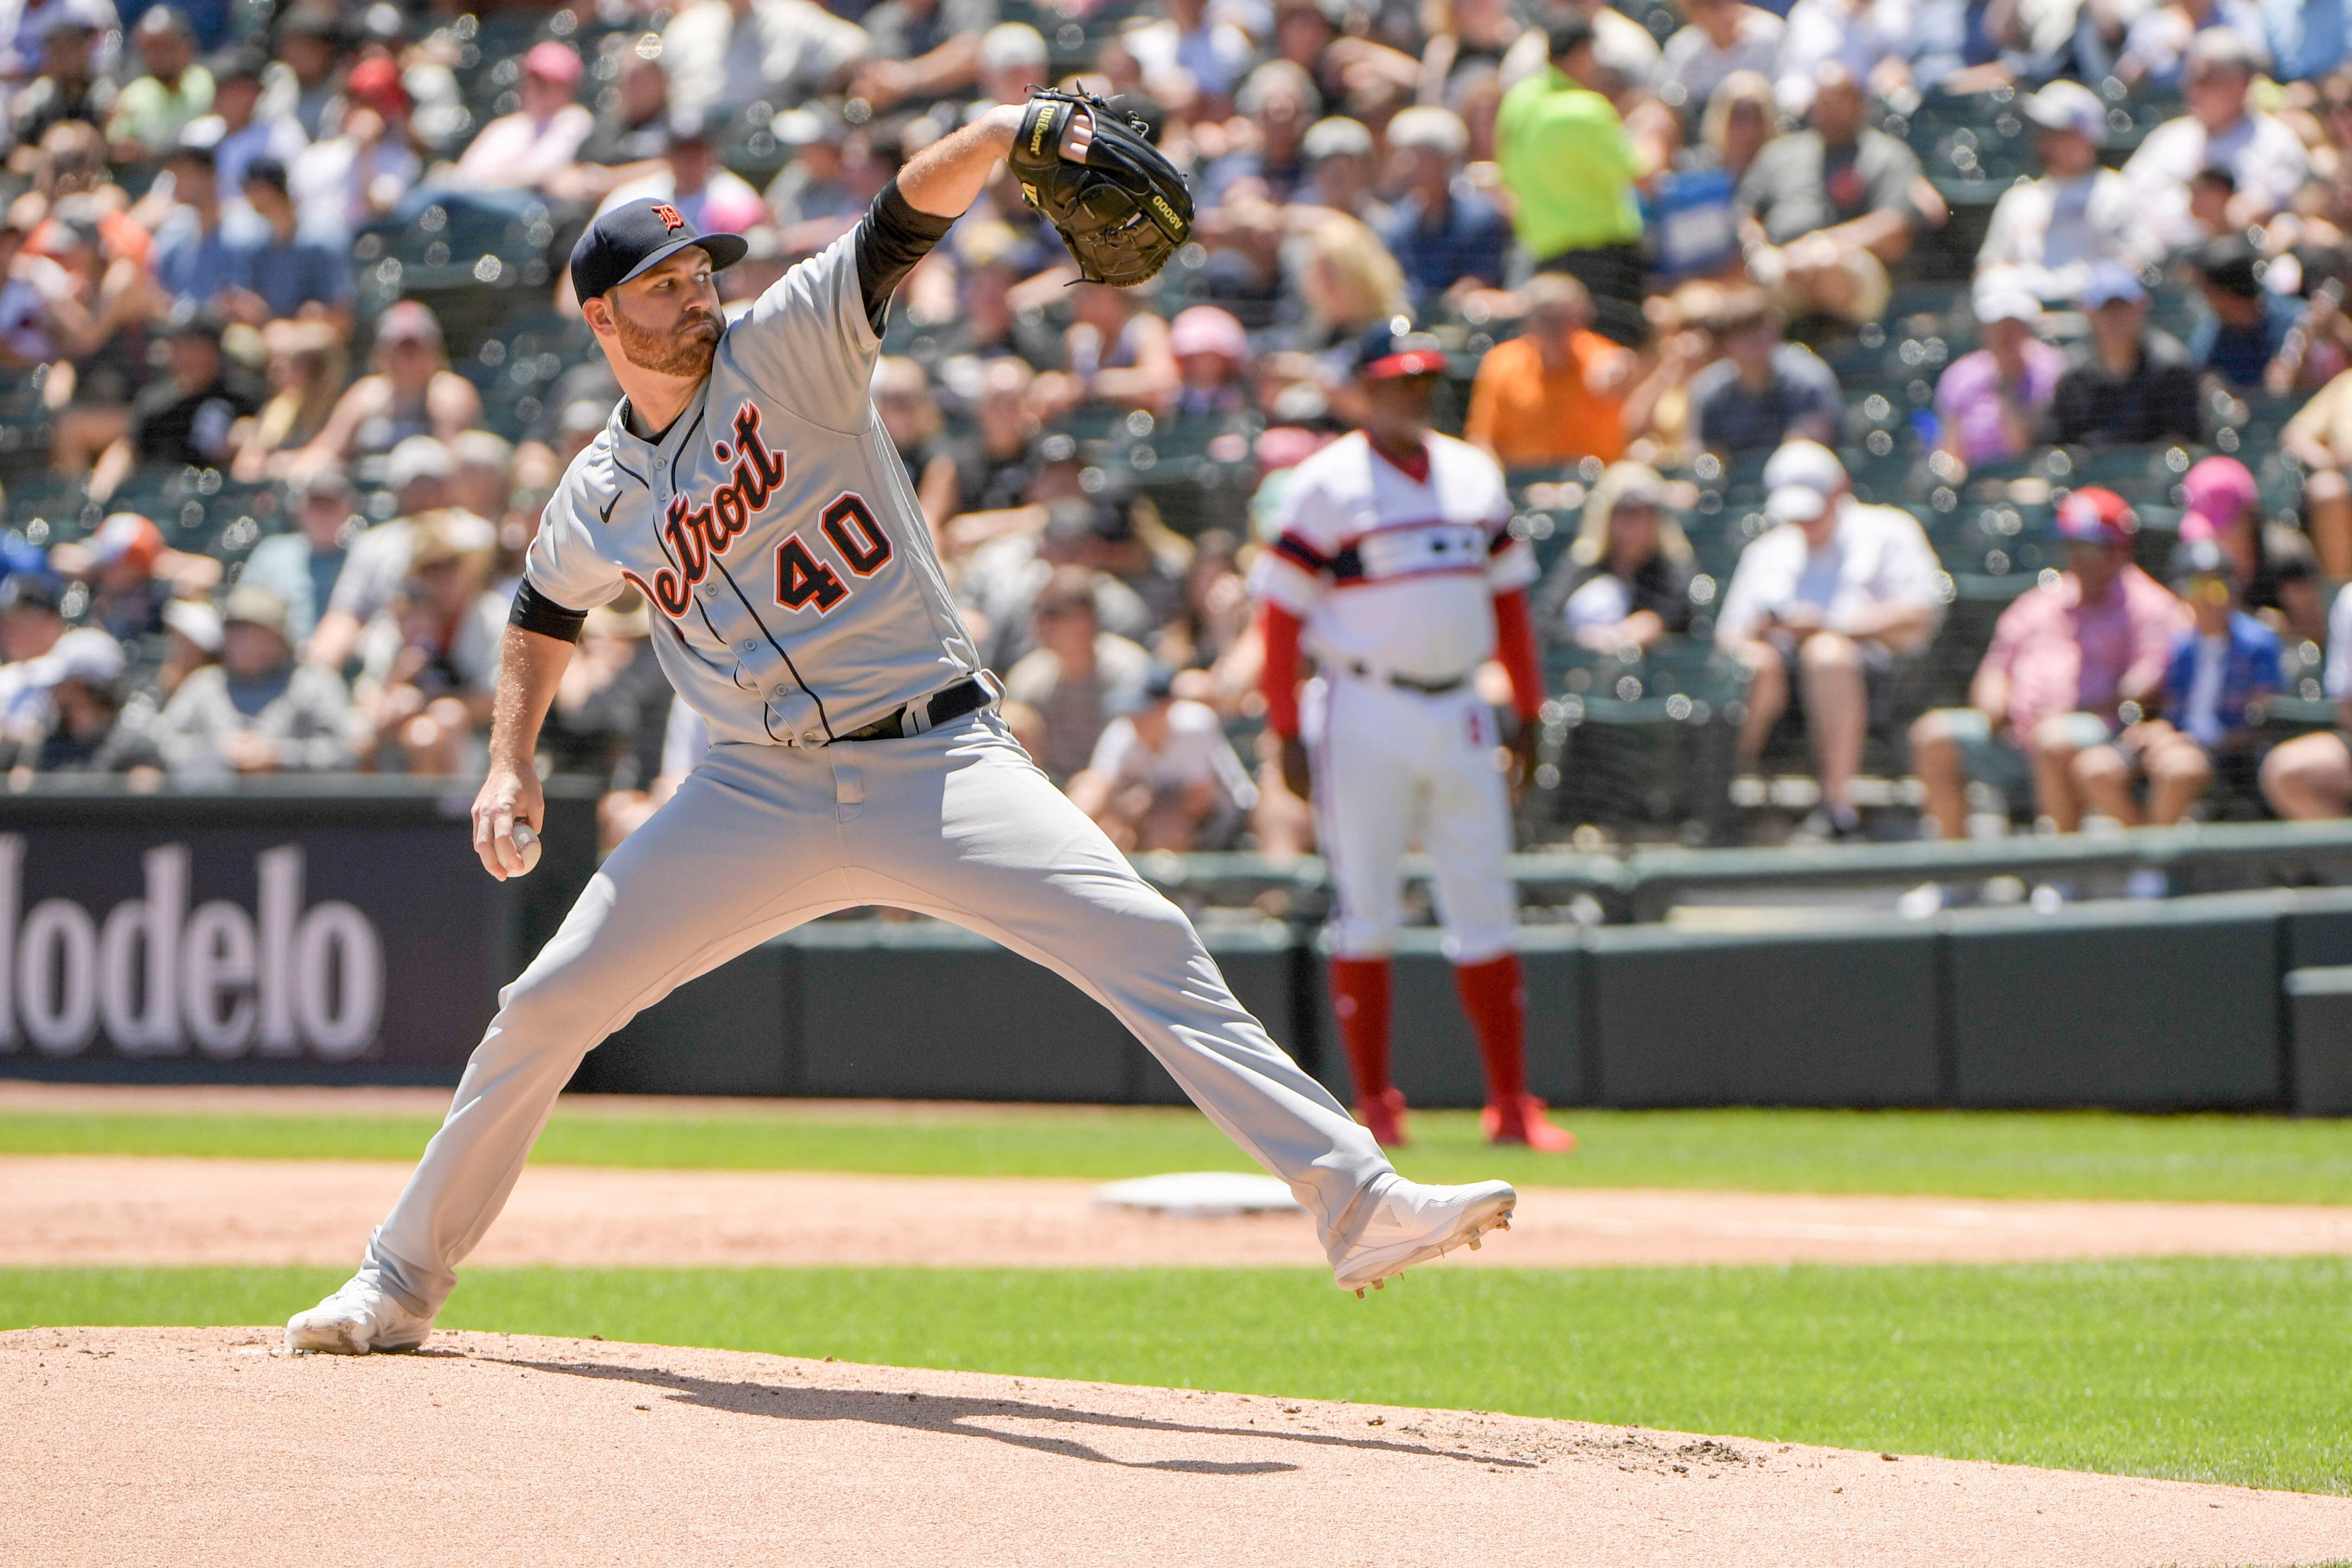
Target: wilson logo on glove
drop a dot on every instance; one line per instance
(1124, 211)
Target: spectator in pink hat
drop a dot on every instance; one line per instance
(1213, 356)
(522, 149)
(2274, 566)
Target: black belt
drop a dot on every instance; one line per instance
(967, 696)
(1412, 684)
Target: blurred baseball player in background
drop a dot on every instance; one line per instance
(1396, 570)
(746, 487)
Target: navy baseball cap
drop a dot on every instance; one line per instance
(1394, 347)
(636, 235)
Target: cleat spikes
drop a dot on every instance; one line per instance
(1474, 1244)
(1359, 1292)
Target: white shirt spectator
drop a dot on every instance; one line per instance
(339, 185)
(1197, 752)
(2051, 231)
(1879, 556)
(794, 49)
(2267, 158)
(1691, 67)
(264, 136)
(1857, 34)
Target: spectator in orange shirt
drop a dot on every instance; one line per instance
(1555, 392)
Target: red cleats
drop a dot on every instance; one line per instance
(1383, 1114)
(1524, 1122)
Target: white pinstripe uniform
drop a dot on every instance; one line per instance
(1394, 579)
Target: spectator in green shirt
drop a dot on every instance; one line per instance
(1570, 170)
(150, 113)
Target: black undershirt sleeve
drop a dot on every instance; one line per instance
(533, 611)
(892, 238)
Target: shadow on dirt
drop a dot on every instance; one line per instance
(968, 1418)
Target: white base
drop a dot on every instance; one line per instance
(1199, 1195)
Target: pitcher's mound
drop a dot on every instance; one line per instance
(188, 1446)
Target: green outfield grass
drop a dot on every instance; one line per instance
(2207, 1370)
(1981, 1155)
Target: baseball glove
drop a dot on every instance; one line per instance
(1124, 211)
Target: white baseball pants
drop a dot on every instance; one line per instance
(1391, 763)
(956, 822)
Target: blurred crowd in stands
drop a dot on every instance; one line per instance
(1926, 410)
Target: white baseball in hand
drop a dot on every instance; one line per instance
(527, 844)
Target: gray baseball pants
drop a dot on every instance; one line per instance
(956, 822)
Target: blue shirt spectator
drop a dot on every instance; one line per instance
(1443, 232)
(2307, 37)
(2244, 324)
(281, 267)
(194, 255)
(2212, 682)
(1763, 392)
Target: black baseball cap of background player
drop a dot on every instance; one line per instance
(637, 235)
(1394, 347)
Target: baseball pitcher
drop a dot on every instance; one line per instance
(746, 487)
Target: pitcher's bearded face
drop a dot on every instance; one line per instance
(669, 320)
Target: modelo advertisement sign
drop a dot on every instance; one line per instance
(373, 948)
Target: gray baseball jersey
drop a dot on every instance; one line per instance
(771, 528)
(775, 533)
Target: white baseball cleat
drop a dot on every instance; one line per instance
(359, 1317)
(1413, 1224)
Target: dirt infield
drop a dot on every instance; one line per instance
(205, 1445)
(111, 1209)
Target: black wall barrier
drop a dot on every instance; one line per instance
(257, 935)
(2175, 1004)
(260, 937)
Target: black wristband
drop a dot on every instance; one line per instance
(534, 612)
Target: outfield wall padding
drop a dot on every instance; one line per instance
(2146, 1005)
(2319, 1010)
(917, 1011)
(1845, 1015)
